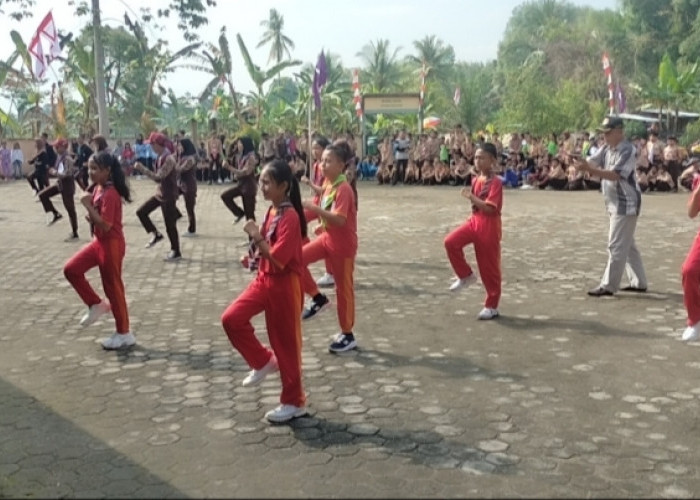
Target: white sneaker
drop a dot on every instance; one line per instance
(326, 280)
(119, 341)
(257, 376)
(463, 283)
(487, 313)
(284, 413)
(691, 334)
(94, 313)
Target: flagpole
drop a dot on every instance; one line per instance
(308, 163)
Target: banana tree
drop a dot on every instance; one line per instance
(679, 86)
(260, 76)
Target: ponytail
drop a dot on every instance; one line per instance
(105, 159)
(295, 199)
(281, 172)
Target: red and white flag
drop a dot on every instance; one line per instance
(458, 96)
(423, 72)
(46, 36)
(356, 96)
(607, 69)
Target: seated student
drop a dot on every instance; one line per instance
(384, 173)
(461, 172)
(542, 177)
(442, 172)
(411, 174)
(557, 175)
(651, 177)
(642, 178)
(574, 178)
(688, 175)
(591, 182)
(664, 181)
(428, 173)
(509, 176)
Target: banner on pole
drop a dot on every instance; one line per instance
(46, 35)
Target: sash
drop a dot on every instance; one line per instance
(328, 199)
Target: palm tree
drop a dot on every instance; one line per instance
(260, 76)
(279, 42)
(382, 69)
(439, 59)
(220, 66)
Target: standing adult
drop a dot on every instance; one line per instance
(39, 179)
(402, 145)
(614, 164)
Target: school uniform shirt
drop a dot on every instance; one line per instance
(108, 204)
(281, 228)
(490, 190)
(187, 175)
(246, 182)
(65, 170)
(166, 176)
(342, 240)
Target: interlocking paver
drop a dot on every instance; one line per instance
(563, 395)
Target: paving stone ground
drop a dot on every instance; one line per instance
(563, 396)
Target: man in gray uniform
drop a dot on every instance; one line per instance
(614, 164)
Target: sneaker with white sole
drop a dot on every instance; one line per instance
(284, 413)
(257, 376)
(316, 307)
(343, 342)
(460, 283)
(94, 313)
(691, 333)
(326, 280)
(487, 313)
(119, 341)
(189, 234)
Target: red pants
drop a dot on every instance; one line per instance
(690, 274)
(342, 269)
(309, 215)
(108, 255)
(485, 233)
(281, 297)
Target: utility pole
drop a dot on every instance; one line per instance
(100, 92)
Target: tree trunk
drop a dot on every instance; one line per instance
(99, 70)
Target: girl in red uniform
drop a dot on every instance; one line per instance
(316, 184)
(483, 229)
(106, 251)
(277, 291)
(337, 242)
(690, 272)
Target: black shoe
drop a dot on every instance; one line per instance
(315, 307)
(238, 218)
(156, 238)
(173, 256)
(599, 292)
(342, 343)
(56, 217)
(71, 237)
(633, 289)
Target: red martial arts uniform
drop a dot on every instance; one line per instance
(484, 231)
(105, 251)
(690, 273)
(277, 291)
(338, 245)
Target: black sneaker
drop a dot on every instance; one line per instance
(56, 217)
(599, 292)
(238, 219)
(156, 238)
(316, 307)
(71, 237)
(343, 342)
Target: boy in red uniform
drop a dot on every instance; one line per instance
(277, 291)
(483, 229)
(337, 242)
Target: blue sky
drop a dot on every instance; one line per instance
(473, 28)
